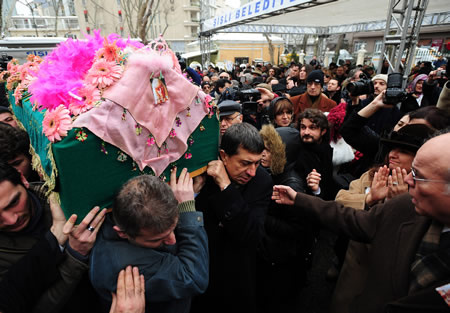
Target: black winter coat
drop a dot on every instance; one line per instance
(234, 221)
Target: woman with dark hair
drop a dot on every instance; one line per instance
(281, 111)
(431, 116)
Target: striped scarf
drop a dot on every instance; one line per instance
(432, 261)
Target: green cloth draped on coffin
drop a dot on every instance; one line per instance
(86, 175)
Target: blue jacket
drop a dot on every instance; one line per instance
(173, 274)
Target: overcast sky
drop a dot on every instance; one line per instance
(234, 3)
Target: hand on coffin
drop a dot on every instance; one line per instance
(217, 170)
(82, 237)
(183, 187)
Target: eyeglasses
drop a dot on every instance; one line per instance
(414, 176)
(223, 77)
(229, 119)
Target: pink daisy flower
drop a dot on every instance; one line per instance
(103, 73)
(109, 52)
(57, 123)
(85, 100)
(29, 68)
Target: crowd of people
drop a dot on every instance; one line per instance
(302, 148)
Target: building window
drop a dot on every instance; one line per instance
(72, 11)
(358, 45)
(40, 23)
(71, 24)
(378, 45)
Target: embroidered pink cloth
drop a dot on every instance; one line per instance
(113, 125)
(134, 91)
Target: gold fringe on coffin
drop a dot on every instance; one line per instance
(199, 171)
(49, 182)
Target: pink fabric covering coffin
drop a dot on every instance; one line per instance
(111, 124)
(134, 92)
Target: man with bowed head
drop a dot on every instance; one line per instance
(410, 254)
(234, 200)
(155, 228)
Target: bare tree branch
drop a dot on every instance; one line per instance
(271, 48)
(139, 16)
(166, 12)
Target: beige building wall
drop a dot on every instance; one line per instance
(103, 16)
(230, 51)
(177, 20)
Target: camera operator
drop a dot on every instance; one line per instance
(384, 119)
(354, 76)
(254, 104)
(356, 129)
(433, 85)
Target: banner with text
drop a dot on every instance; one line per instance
(250, 10)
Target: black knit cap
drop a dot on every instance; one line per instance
(315, 76)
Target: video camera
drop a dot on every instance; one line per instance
(394, 91)
(249, 98)
(362, 87)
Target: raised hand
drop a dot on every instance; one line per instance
(378, 189)
(313, 180)
(182, 188)
(396, 183)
